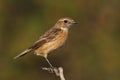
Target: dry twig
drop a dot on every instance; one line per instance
(58, 72)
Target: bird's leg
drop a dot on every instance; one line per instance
(49, 62)
(52, 68)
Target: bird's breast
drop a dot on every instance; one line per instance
(57, 42)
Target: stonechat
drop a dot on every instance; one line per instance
(51, 40)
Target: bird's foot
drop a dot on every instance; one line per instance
(51, 70)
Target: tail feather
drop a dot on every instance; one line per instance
(23, 53)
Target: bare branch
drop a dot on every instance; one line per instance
(58, 72)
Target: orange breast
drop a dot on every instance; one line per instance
(52, 45)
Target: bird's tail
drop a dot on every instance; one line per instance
(23, 53)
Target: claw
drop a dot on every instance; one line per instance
(51, 70)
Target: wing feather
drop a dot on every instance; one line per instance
(48, 36)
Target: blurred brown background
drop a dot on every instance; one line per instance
(92, 51)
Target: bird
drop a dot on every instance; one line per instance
(51, 40)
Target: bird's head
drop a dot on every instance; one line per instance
(65, 23)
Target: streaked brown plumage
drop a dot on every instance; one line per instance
(51, 40)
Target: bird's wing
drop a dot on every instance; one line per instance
(51, 34)
(48, 36)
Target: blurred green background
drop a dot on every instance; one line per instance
(92, 51)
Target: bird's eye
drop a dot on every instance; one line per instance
(65, 21)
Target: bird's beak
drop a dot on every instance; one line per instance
(74, 22)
